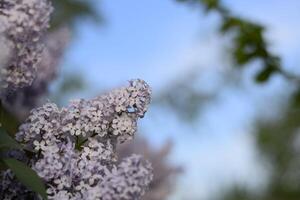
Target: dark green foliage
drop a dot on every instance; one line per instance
(67, 12)
(8, 121)
(7, 142)
(248, 42)
(278, 141)
(185, 100)
(265, 73)
(208, 4)
(238, 193)
(71, 83)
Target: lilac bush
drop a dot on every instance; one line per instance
(22, 100)
(74, 147)
(22, 26)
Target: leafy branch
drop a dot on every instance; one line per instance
(249, 42)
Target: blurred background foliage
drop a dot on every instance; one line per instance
(70, 11)
(248, 40)
(277, 140)
(68, 84)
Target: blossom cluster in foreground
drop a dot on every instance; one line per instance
(22, 25)
(75, 147)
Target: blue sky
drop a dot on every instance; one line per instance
(161, 40)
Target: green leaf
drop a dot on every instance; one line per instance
(26, 176)
(6, 142)
(2, 165)
(264, 75)
(272, 66)
(8, 121)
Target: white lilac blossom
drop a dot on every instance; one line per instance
(22, 25)
(75, 147)
(22, 100)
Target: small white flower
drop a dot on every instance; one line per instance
(39, 145)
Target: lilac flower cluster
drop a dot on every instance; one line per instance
(75, 147)
(22, 25)
(22, 100)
